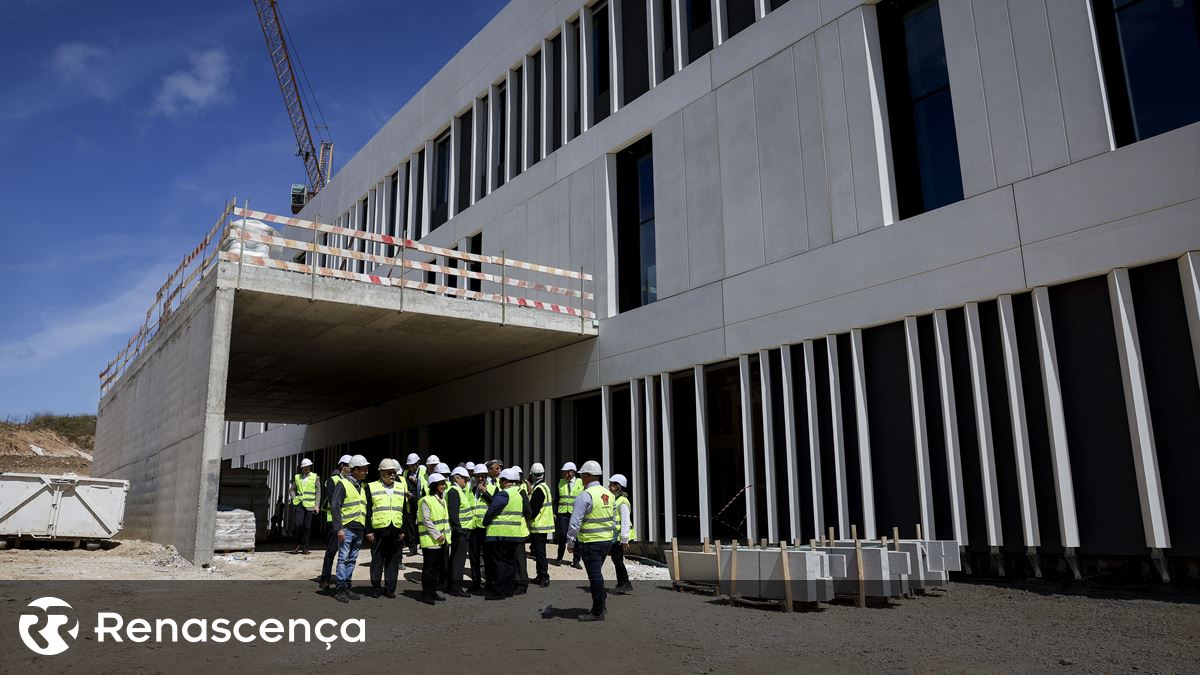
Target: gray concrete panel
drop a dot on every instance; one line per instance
(670, 207)
(785, 225)
(1040, 94)
(703, 175)
(1006, 121)
(741, 199)
(763, 39)
(812, 144)
(836, 131)
(858, 83)
(695, 311)
(582, 223)
(970, 102)
(1077, 58)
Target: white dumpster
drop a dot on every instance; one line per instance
(67, 507)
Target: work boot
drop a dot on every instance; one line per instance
(305, 551)
(296, 549)
(391, 595)
(352, 595)
(437, 596)
(591, 617)
(341, 596)
(376, 592)
(576, 565)
(622, 589)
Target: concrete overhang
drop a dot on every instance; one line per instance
(303, 348)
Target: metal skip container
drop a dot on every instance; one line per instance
(67, 507)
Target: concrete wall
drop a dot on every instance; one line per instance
(161, 427)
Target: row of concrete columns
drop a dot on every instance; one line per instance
(652, 408)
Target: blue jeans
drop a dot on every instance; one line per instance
(348, 557)
(593, 555)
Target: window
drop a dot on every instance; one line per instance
(924, 145)
(776, 4)
(481, 160)
(573, 69)
(475, 245)
(740, 14)
(668, 39)
(501, 137)
(699, 28)
(440, 212)
(419, 198)
(393, 197)
(554, 94)
(360, 245)
(601, 66)
(517, 122)
(636, 269)
(1150, 50)
(635, 57)
(462, 180)
(404, 201)
(535, 109)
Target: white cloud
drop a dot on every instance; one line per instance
(85, 66)
(201, 85)
(117, 317)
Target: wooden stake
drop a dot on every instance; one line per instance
(919, 531)
(762, 543)
(862, 582)
(812, 544)
(896, 536)
(787, 577)
(830, 536)
(706, 545)
(675, 559)
(733, 574)
(717, 590)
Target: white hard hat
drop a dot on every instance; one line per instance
(413, 458)
(459, 471)
(480, 470)
(433, 459)
(619, 479)
(592, 467)
(569, 466)
(470, 466)
(389, 464)
(344, 459)
(510, 474)
(436, 477)
(305, 462)
(517, 468)
(537, 468)
(358, 461)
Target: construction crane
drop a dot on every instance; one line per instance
(318, 164)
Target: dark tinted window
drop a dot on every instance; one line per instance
(1151, 55)
(501, 136)
(518, 121)
(481, 160)
(740, 14)
(698, 23)
(924, 145)
(462, 181)
(668, 41)
(441, 181)
(601, 67)
(419, 201)
(535, 109)
(635, 55)
(636, 260)
(554, 94)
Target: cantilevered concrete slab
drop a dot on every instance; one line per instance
(266, 344)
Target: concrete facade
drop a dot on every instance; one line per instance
(779, 242)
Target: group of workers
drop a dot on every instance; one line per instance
(482, 512)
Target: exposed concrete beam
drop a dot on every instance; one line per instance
(668, 455)
(788, 389)
(768, 449)
(983, 425)
(839, 443)
(652, 461)
(864, 433)
(702, 451)
(954, 478)
(814, 437)
(912, 343)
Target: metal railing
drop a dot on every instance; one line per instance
(348, 263)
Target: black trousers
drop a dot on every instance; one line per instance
(433, 570)
(475, 553)
(385, 559)
(593, 554)
(456, 560)
(541, 566)
(489, 564)
(617, 553)
(331, 551)
(303, 523)
(505, 561)
(562, 522)
(521, 568)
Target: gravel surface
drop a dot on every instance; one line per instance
(969, 627)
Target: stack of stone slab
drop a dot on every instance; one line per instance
(817, 573)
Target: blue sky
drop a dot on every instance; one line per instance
(125, 125)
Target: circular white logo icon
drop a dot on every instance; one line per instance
(47, 639)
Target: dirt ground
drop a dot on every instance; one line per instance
(969, 627)
(57, 454)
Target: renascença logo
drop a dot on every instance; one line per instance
(52, 641)
(47, 639)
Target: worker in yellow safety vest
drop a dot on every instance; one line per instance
(349, 506)
(541, 527)
(305, 493)
(460, 507)
(506, 522)
(435, 537)
(415, 480)
(331, 540)
(480, 553)
(623, 530)
(569, 488)
(591, 533)
(387, 509)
